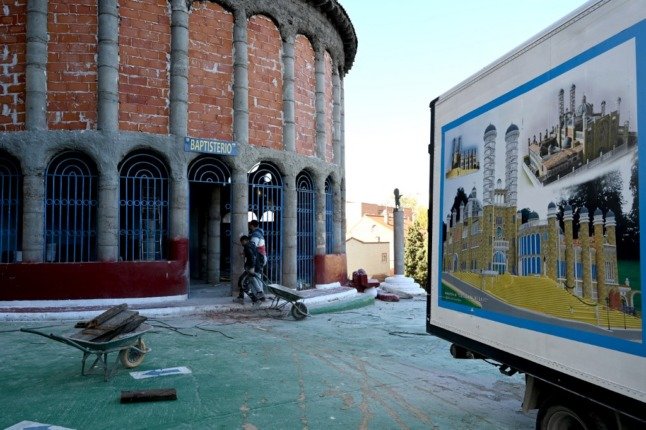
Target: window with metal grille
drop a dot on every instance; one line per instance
(329, 216)
(143, 208)
(266, 205)
(10, 209)
(306, 229)
(71, 190)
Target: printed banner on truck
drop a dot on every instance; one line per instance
(541, 201)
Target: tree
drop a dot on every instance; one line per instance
(415, 261)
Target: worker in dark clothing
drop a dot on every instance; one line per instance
(249, 282)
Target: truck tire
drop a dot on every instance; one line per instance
(567, 414)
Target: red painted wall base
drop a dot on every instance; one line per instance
(331, 268)
(97, 280)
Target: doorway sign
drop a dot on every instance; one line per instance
(210, 146)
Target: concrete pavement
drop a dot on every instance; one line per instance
(369, 368)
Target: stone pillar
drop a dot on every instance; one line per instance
(108, 66)
(33, 216)
(36, 67)
(569, 247)
(342, 169)
(179, 206)
(239, 221)
(289, 231)
(552, 251)
(336, 115)
(398, 245)
(339, 218)
(319, 102)
(214, 237)
(179, 68)
(108, 214)
(599, 257)
(320, 217)
(586, 263)
(240, 79)
(611, 235)
(289, 115)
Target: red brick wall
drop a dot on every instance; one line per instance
(265, 83)
(329, 106)
(305, 95)
(210, 72)
(13, 20)
(71, 64)
(144, 51)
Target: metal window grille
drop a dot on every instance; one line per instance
(70, 208)
(266, 205)
(143, 208)
(305, 229)
(211, 170)
(329, 216)
(10, 209)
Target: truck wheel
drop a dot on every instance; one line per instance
(561, 414)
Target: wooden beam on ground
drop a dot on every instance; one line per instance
(153, 395)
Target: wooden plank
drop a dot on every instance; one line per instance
(100, 319)
(153, 395)
(124, 326)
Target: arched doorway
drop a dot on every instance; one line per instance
(266, 205)
(209, 226)
(305, 229)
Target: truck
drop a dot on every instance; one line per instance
(534, 235)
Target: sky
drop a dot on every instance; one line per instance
(410, 52)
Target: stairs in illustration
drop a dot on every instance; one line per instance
(543, 295)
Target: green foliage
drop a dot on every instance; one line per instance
(415, 261)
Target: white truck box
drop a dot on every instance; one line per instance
(534, 227)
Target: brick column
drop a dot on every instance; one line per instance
(179, 69)
(240, 79)
(239, 211)
(289, 231)
(319, 102)
(108, 66)
(289, 115)
(108, 214)
(36, 66)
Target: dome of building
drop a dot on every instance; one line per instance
(512, 128)
(490, 128)
(552, 205)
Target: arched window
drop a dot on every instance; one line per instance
(499, 262)
(10, 209)
(329, 216)
(305, 228)
(266, 205)
(143, 207)
(71, 188)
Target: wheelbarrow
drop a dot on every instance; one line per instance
(130, 346)
(288, 295)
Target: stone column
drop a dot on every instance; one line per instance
(108, 66)
(319, 101)
(33, 216)
(36, 66)
(108, 214)
(239, 221)
(179, 205)
(552, 245)
(289, 115)
(342, 169)
(289, 231)
(336, 115)
(179, 69)
(586, 263)
(339, 219)
(599, 241)
(398, 233)
(320, 216)
(214, 237)
(240, 79)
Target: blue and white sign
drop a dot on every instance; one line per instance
(32, 425)
(210, 146)
(161, 372)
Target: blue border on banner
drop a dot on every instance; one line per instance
(637, 33)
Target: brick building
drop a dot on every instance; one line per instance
(138, 137)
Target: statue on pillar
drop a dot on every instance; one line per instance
(397, 199)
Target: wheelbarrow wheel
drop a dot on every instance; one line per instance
(299, 310)
(132, 357)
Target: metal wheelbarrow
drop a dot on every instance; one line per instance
(131, 348)
(288, 295)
